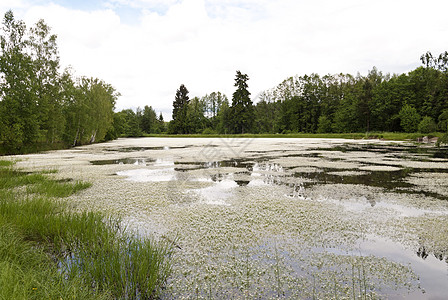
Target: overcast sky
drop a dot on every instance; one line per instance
(147, 48)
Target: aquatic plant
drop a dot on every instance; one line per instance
(47, 250)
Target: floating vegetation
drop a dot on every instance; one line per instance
(292, 218)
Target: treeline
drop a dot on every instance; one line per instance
(416, 101)
(212, 113)
(132, 123)
(41, 106)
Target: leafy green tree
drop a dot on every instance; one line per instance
(161, 124)
(409, 118)
(18, 109)
(213, 102)
(443, 121)
(37, 103)
(365, 104)
(241, 111)
(149, 122)
(118, 126)
(131, 124)
(346, 115)
(196, 121)
(221, 123)
(387, 101)
(427, 125)
(267, 114)
(324, 125)
(89, 110)
(180, 105)
(47, 81)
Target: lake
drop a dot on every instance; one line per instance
(280, 217)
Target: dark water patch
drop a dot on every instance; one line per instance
(242, 182)
(310, 155)
(137, 149)
(430, 151)
(385, 179)
(421, 192)
(215, 164)
(441, 153)
(123, 161)
(389, 180)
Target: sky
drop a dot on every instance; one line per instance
(147, 48)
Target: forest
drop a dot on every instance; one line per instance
(412, 102)
(42, 107)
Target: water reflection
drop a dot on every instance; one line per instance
(218, 193)
(221, 183)
(123, 161)
(264, 172)
(423, 252)
(432, 274)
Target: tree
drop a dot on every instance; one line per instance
(161, 122)
(267, 114)
(212, 103)
(89, 110)
(37, 103)
(241, 111)
(18, 109)
(388, 98)
(47, 81)
(149, 122)
(196, 121)
(409, 118)
(180, 105)
(324, 125)
(427, 125)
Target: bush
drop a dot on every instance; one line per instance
(208, 131)
(409, 118)
(427, 125)
(443, 121)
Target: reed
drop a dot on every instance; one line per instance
(48, 251)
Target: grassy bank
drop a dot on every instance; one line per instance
(393, 136)
(390, 136)
(50, 252)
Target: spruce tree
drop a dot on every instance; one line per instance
(242, 110)
(180, 105)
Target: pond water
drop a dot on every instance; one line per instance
(268, 218)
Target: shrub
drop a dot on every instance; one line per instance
(409, 118)
(208, 131)
(427, 125)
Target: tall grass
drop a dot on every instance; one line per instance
(47, 251)
(395, 136)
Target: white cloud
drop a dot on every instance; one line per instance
(202, 43)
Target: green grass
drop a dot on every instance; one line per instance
(49, 252)
(397, 136)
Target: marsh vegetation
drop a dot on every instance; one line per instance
(267, 218)
(49, 250)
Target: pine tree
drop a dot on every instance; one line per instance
(180, 105)
(242, 110)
